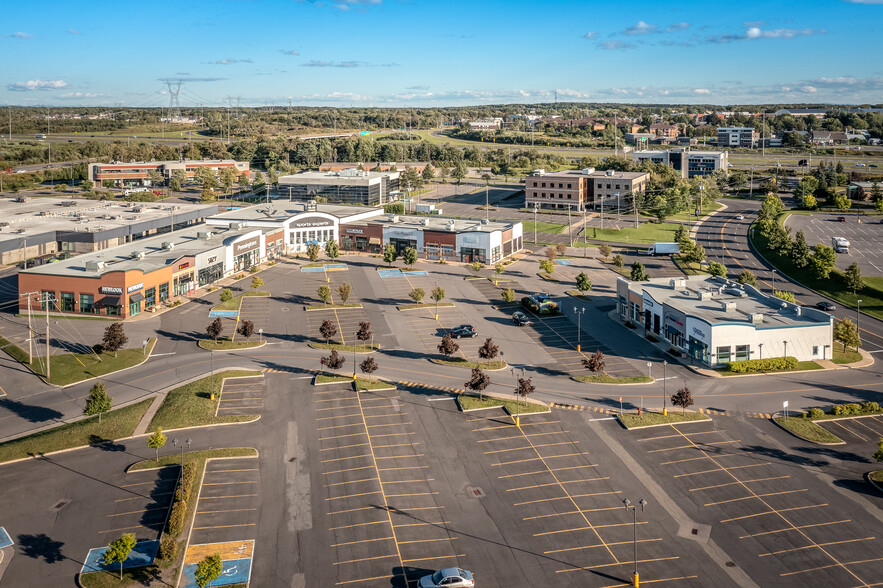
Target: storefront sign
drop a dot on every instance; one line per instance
(110, 290)
(213, 259)
(355, 231)
(648, 303)
(183, 265)
(134, 287)
(672, 319)
(245, 246)
(698, 332)
(400, 233)
(312, 221)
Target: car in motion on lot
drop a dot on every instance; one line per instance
(740, 217)
(447, 578)
(826, 306)
(520, 319)
(841, 219)
(463, 331)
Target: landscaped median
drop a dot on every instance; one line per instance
(633, 420)
(430, 306)
(359, 383)
(360, 348)
(490, 366)
(193, 404)
(470, 402)
(608, 379)
(70, 368)
(315, 307)
(807, 428)
(115, 424)
(235, 302)
(228, 345)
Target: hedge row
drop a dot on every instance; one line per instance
(168, 545)
(547, 308)
(852, 408)
(762, 365)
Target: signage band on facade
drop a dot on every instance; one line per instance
(183, 265)
(134, 287)
(355, 231)
(246, 246)
(312, 221)
(111, 289)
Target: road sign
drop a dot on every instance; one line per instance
(785, 404)
(363, 133)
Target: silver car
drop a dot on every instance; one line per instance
(447, 578)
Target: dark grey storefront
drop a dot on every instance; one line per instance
(674, 325)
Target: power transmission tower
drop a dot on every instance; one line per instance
(174, 87)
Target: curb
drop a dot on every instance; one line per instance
(793, 434)
(873, 483)
(627, 428)
(499, 369)
(310, 345)
(698, 223)
(258, 346)
(653, 381)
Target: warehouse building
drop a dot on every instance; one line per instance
(713, 320)
(40, 229)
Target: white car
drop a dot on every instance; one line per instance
(447, 578)
(740, 217)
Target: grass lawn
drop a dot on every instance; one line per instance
(430, 305)
(227, 344)
(366, 384)
(578, 294)
(607, 379)
(689, 268)
(845, 355)
(877, 476)
(688, 215)
(236, 301)
(633, 420)
(806, 429)
(470, 402)
(332, 378)
(174, 458)
(360, 348)
(190, 405)
(801, 366)
(315, 264)
(333, 306)
(647, 232)
(70, 368)
(460, 362)
(115, 424)
(547, 277)
(833, 287)
(542, 227)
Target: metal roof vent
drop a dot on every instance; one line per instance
(168, 245)
(137, 255)
(204, 235)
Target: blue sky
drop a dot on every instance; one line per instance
(419, 52)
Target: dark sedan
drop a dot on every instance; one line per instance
(826, 306)
(520, 319)
(463, 331)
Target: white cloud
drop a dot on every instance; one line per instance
(755, 32)
(73, 32)
(642, 28)
(864, 1)
(344, 64)
(678, 26)
(75, 95)
(230, 61)
(615, 45)
(591, 34)
(809, 89)
(290, 51)
(702, 91)
(20, 35)
(36, 85)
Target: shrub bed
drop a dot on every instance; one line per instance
(547, 308)
(749, 366)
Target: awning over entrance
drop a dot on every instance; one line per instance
(374, 241)
(110, 301)
(136, 297)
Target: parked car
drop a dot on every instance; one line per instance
(520, 319)
(873, 165)
(740, 217)
(826, 306)
(841, 219)
(463, 331)
(447, 578)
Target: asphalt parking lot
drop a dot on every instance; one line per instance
(241, 396)
(860, 434)
(776, 519)
(865, 238)
(229, 498)
(141, 508)
(257, 310)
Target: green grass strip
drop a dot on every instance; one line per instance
(191, 405)
(366, 384)
(470, 402)
(227, 344)
(332, 378)
(236, 301)
(806, 429)
(175, 458)
(116, 424)
(360, 348)
(608, 379)
(495, 364)
(801, 366)
(633, 420)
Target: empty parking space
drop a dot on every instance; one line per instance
(229, 498)
(860, 431)
(140, 507)
(242, 396)
(378, 497)
(865, 238)
(785, 532)
(257, 310)
(573, 528)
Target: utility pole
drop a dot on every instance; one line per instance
(30, 330)
(47, 298)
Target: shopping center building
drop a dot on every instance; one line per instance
(713, 320)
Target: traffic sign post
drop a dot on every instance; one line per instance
(785, 407)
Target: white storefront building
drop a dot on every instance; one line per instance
(715, 321)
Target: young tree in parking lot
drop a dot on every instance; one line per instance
(369, 366)
(583, 283)
(417, 295)
(207, 195)
(208, 570)
(561, 248)
(878, 455)
(157, 441)
(324, 293)
(550, 253)
(696, 254)
(114, 338)
(256, 282)
(245, 328)
(747, 277)
(437, 294)
(226, 295)
(333, 361)
(327, 330)
(499, 268)
(409, 255)
(390, 254)
(478, 382)
(214, 329)
(448, 346)
(853, 277)
(364, 333)
(683, 398)
(823, 260)
(332, 249)
(639, 274)
(595, 362)
(476, 266)
(842, 202)
(618, 260)
(118, 551)
(605, 250)
(98, 401)
(489, 350)
(313, 251)
(508, 295)
(344, 291)
(847, 334)
(525, 387)
(547, 265)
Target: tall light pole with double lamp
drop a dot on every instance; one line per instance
(643, 503)
(579, 331)
(188, 442)
(536, 207)
(858, 316)
(664, 396)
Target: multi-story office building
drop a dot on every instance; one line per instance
(688, 163)
(613, 189)
(585, 188)
(137, 173)
(348, 186)
(737, 137)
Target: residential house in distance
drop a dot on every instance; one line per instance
(665, 130)
(829, 138)
(745, 137)
(135, 173)
(490, 124)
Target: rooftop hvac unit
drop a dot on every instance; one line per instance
(204, 235)
(168, 245)
(485, 221)
(677, 283)
(424, 222)
(94, 266)
(728, 306)
(137, 255)
(235, 226)
(451, 225)
(610, 172)
(755, 318)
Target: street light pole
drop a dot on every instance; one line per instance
(664, 396)
(650, 370)
(643, 503)
(579, 331)
(858, 315)
(355, 338)
(785, 354)
(212, 389)
(535, 208)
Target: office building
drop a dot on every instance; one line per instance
(745, 137)
(347, 186)
(137, 173)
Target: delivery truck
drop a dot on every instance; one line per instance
(840, 244)
(664, 249)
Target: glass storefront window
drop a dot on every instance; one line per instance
(114, 310)
(67, 301)
(46, 300)
(163, 291)
(723, 354)
(742, 352)
(210, 274)
(150, 298)
(134, 308)
(87, 303)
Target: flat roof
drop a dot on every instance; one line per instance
(685, 298)
(186, 243)
(280, 210)
(173, 162)
(347, 175)
(439, 223)
(38, 216)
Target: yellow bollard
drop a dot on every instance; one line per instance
(636, 581)
(518, 422)
(579, 348)
(664, 412)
